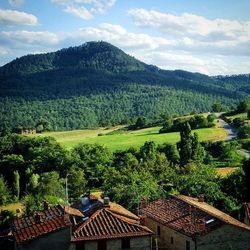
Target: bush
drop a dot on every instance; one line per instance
(244, 132)
(4, 191)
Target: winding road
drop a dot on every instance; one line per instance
(232, 134)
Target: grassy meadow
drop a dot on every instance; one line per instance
(242, 116)
(116, 139)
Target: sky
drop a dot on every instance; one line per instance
(206, 36)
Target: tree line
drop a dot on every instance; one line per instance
(35, 169)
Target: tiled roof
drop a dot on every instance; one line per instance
(213, 211)
(104, 224)
(29, 227)
(120, 210)
(73, 211)
(187, 215)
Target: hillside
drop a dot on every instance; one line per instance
(121, 140)
(97, 84)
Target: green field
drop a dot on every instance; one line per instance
(242, 116)
(126, 139)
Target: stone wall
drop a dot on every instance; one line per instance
(51, 241)
(168, 238)
(226, 237)
(136, 243)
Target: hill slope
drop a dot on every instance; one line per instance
(98, 84)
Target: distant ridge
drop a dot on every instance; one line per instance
(99, 84)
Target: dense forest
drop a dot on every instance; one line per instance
(34, 169)
(97, 84)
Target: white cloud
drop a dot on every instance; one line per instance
(81, 12)
(168, 53)
(25, 38)
(16, 2)
(192, 26)
(119, 36)
(13, 17)
(3, 51)
(85, 9)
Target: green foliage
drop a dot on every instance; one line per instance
(171, 152)
(140, 123)
(229, 152)
(244, 132)
(237, 122)
(5, 218)
(93, 160)
(199, 179)
(76, 183)
(185, 144)
(33, 183)
(235, 185)
(246, 169)
(217, 107)
(148, 151)
(5, 193)
(50, 184)
(167, 126)
(195, 122)
(97, 84)
(130, 187)
(16, 185)
(211, 118)
(243, 106)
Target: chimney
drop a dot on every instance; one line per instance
(142, 220)
(106, 202)
(38, 217)
(45, 205)
(201, 198)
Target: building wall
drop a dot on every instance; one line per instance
(52, 241)
(227, 237)
(164, 240)
(137, 243)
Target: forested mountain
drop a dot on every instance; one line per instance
(98, 84)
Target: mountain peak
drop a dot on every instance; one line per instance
(94, 55)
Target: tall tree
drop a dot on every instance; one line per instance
(4, 191)
(185, 144)
(76, 183)
(16, 185)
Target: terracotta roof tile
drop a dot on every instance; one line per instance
(104, 224)
(29, 227)
(180, 216)
(188, 215)
(203, 206)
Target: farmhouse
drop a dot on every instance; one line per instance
(111, 227)
(185, 223)
(27, 131)
(47, 229)
(92, 225)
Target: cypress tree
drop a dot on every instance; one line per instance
(16, 184)
(185, 144)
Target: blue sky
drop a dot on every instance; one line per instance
(207, 36)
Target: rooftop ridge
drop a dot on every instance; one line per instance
(205, 207)
(104, 224)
